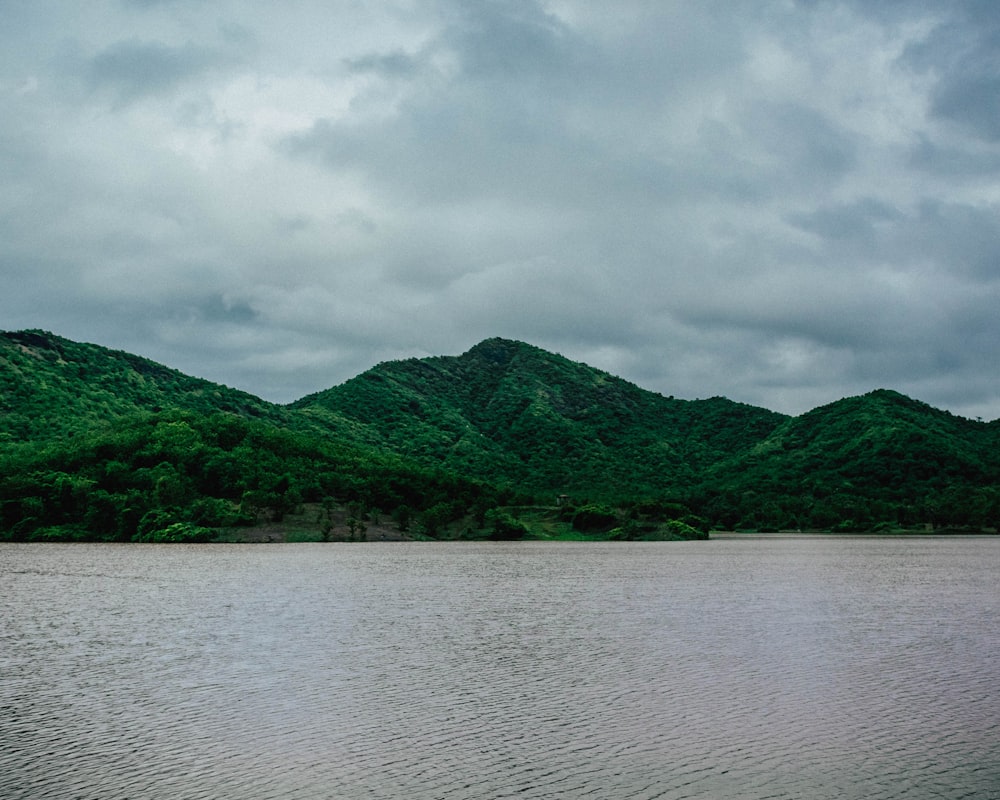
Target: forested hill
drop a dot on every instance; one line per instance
(517, 415)
(100, 443)
(52, 388)
(881, 459)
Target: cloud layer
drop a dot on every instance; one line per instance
(780, 202)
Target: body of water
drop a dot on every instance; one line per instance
(742, 667)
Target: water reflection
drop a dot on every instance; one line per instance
(781, 667)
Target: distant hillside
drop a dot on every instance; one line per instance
(852, 464)
(513, 414)
(100, 444)
(52, 388)
(97, 443)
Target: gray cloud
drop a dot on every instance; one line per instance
(133, 69)
(780, 204)
(974, 102)
(964, 53)
(396, 64)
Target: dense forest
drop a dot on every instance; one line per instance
(504, 441)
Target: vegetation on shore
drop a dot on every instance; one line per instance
(505, 441)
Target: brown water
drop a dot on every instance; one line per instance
(753, 667)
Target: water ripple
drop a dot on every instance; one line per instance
(785, 668)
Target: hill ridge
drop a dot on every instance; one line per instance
(532, 423)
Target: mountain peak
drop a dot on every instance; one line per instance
(499, 351)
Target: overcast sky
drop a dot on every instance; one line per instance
(782, 202)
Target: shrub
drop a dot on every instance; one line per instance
(179, 532)
(594, 519)
(505, 527)
(682, 530)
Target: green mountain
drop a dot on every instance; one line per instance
(52, 388)
(97, 443)
(518, 416)
(861, 461)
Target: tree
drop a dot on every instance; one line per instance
(504, 526)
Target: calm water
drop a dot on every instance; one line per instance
(783, 667)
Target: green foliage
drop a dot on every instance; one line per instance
(503, 526)
(678, 529)
(100, 444)
(859, 463)
(147, 474)
(177, 532)
(594, 519)
(52, 388)
(513, 415)
(432, 520)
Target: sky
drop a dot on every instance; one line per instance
(783, 202)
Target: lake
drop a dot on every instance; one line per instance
(741, 667)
